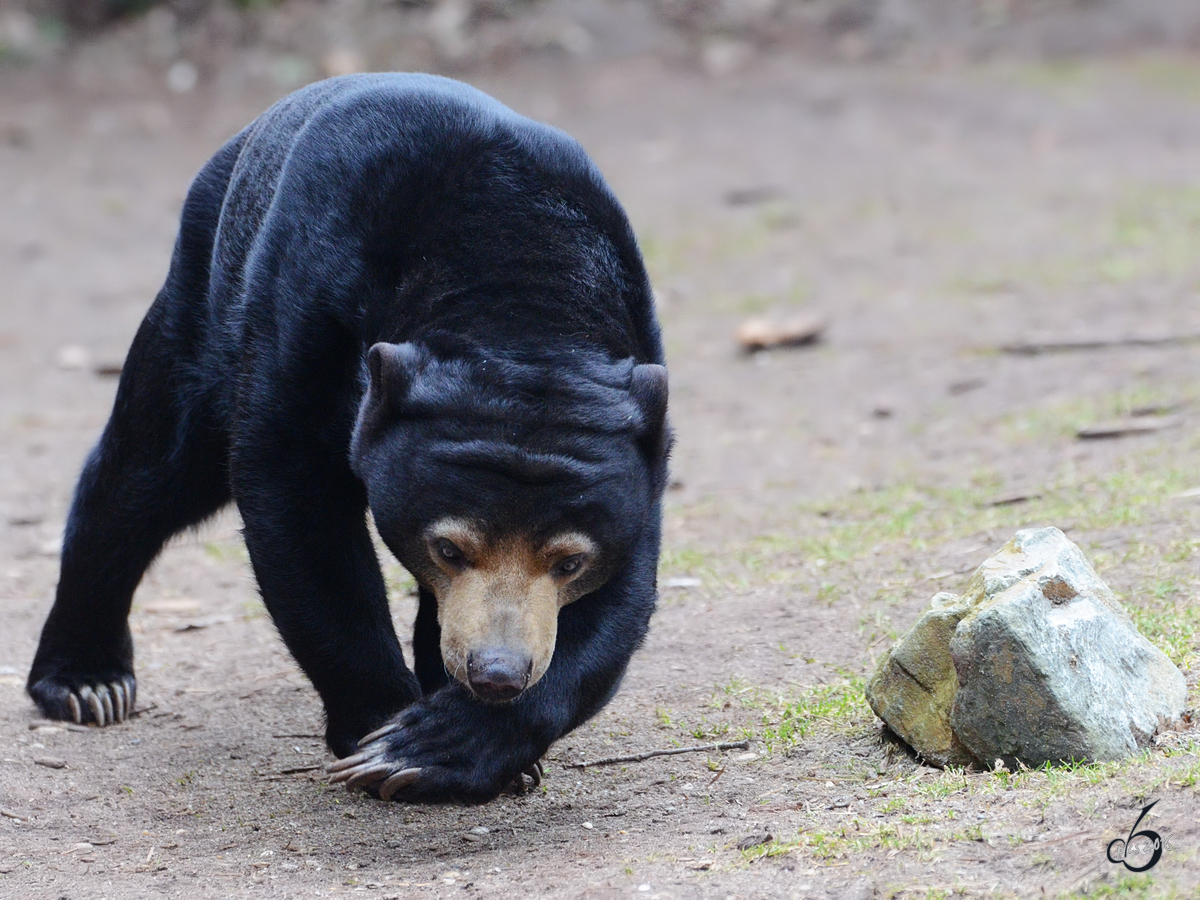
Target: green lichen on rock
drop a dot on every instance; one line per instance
(914, 686)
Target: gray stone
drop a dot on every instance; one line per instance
(1035, 662)
(1050, 668)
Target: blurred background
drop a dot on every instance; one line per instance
(909, 254)
(231, 41)
(928, 270)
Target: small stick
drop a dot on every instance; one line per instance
(296, 770)
(141, 712)
(650, 754)
(1067, 346)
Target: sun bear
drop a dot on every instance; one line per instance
(392, 295)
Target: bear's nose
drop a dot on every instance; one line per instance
(497, 676)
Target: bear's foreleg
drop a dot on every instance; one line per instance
(306, 530)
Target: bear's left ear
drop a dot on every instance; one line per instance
(648, 387)
(392, 368)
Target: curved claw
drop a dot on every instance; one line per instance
(89, 698)
(536, 772)
(400, 780)
(130, 694)
(379, 732)
(365, 776)
(343, 775)
(106, 704)
(118, 692)
(349, 762)
(76, 709)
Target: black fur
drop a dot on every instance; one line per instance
(488, 253)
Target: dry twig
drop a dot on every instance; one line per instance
(650, 754)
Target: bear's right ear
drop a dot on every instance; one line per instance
(392, 368)
(648, 387)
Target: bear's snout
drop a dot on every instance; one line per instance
(498, 675)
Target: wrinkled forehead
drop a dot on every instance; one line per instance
(572, 461)
(504, 488)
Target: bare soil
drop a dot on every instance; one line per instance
(934, 213)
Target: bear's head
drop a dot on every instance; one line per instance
(509, 489)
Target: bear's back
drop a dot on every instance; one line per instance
(361, 189)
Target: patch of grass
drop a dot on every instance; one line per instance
(1063, 418)
(777, 718)
(832, 707)
(686, 561)
(1142, 232)
(772, 848)
(227, 551)
(811, 546)
(855, 838)
(1169, 74)
(1173, 626)
(1190, 777)
(1131, 886)
(1155, 232)
(951, 781)
(1058, 76)
(704, 730)
(399, 582)
(707, 730)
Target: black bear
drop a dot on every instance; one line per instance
(390, 292)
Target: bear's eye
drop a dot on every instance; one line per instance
(569, 566)
(448, 550)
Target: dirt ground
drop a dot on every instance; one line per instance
(934, 213)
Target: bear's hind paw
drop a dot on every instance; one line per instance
(99, 703)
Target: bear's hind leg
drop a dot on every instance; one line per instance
(159, 467)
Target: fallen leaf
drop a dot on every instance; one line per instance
(761, 334)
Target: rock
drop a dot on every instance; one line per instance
(1036, 662)
(750, 841)
(914, 685)
(1050, 667)
(72, 356)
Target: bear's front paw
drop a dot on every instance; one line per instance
(101, 700)
(431, 755)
